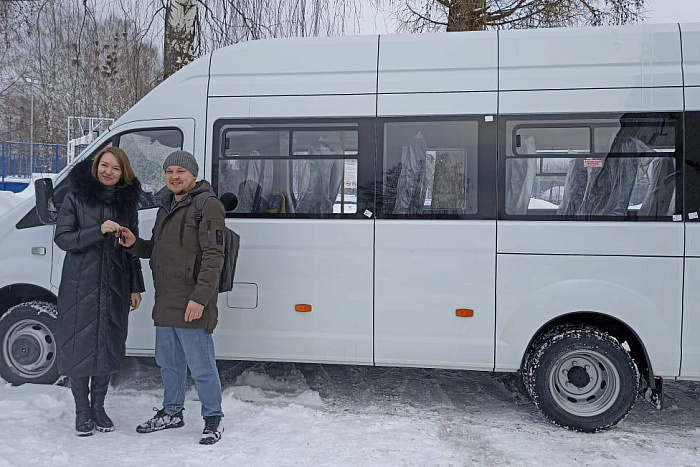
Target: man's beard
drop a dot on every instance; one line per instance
(181, 190)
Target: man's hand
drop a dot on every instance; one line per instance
(128, 238)
(194, 311)
(110, 227)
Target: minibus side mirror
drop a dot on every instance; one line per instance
(229, 200)
(45, 205)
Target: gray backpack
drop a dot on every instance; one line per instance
(231, 241)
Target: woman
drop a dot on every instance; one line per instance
(100, 281)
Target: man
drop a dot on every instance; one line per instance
(187, 255)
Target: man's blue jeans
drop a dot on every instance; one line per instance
(176, 350)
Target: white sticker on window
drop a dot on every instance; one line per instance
(488, 118)
(677, 218)
(367, 213)
(693, 215)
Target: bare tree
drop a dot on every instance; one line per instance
(474, 15)
(180, 28)
(15, 20)
(90, 58)
(195, 27)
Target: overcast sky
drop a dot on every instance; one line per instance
(673, 11)
(658, 11)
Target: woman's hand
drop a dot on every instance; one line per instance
(110, 227)
(135, 301)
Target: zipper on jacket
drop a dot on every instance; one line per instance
(167, 218)
(105, 239)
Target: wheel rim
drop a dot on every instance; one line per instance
(29, 348)
(584, 383)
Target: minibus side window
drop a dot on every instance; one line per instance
(692, 165)
(430, 169)
(290, 170)
(623, 167)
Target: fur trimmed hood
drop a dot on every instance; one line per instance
(89, 189)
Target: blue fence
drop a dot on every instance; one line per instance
(15, 161)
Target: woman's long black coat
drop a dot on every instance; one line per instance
(98, 276)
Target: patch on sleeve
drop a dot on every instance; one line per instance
(219, 237)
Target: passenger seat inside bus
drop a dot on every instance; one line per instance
(520, 177)
(320, 181)
(324, 177)
(662, 189)
(412, 184)
(610, 188)
(251, 182)
(574, 188)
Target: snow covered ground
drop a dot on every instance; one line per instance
(325, 415)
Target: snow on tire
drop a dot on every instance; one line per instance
(28, 345)
(527, 370)
(583, 379)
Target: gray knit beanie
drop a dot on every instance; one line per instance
(184, 159)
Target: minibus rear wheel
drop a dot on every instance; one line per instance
(583, 379)
(27, 344)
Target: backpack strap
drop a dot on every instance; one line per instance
(199, 206)
(198, 202)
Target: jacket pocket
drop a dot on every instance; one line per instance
(193, 270)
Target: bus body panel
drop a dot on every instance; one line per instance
(690, 35)
(425, 271)
(438, 62)
(572, 101)
(18, 262)
(327, 265)
(631, 56)
(296, 66)
(591, 238)
(291, 107)
(448, 103)
(692, 98)
(690, 362)
(642, 292)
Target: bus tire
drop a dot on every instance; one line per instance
(527, 369)
(583, 379)
(28, 345)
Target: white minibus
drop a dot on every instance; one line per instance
(505, 201)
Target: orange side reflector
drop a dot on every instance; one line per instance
(302, 308)
(464, 312)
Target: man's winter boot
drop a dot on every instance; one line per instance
(212, 430)
(84, 425)
(98, 392)
(161, 421)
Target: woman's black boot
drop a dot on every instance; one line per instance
(98, 391)
(80, 388)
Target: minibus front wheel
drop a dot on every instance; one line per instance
(27, 344)
(583, 379)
